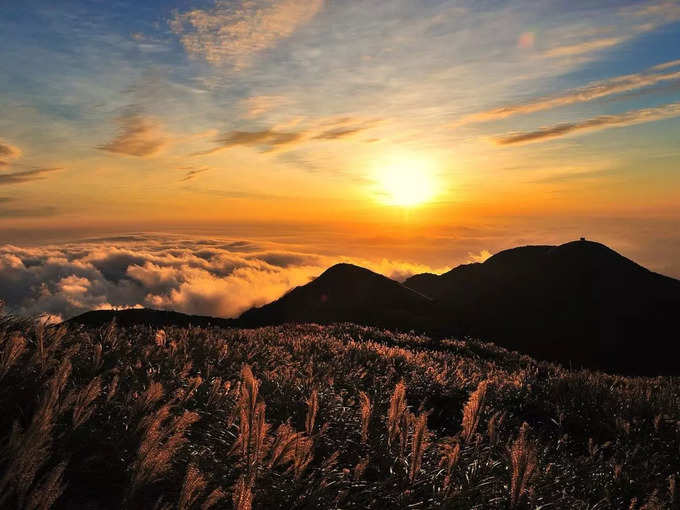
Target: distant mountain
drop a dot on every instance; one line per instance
(347, 293)
(580, 303)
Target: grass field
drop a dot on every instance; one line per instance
(321, 417)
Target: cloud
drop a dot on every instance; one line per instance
(480, 257)
(256, 106)
(584, 47)
(199, 276)
(576, 176)
(271, 139)
(23, 212)
(233, 31)
(583, 94)
(602, 122)
(663, 11)
(26, 176)
(334, 134)
(7, 153)
(193, 172)
(645, 17)
(666, 65)
(138, 136)
(267, 139)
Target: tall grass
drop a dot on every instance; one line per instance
(320, 417)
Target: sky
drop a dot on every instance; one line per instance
(404, 135)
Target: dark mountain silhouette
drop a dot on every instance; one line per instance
(347, 293)
(580, 303)
(147, 317)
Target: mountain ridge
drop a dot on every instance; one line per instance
(579, 303)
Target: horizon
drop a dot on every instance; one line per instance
(186, 275)
(404, 136)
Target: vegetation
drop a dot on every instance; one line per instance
(320, 417)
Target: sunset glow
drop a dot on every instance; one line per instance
(406, 183)
(395, 134)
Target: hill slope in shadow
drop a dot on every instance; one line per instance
(148, 317)
(580, 302)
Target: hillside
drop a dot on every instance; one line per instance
(320, 417)
(147, 317)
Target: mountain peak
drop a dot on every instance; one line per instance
(347, 269)
(345, 293)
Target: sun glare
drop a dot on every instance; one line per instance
(406, 183)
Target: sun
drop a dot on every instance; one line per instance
(406, 183)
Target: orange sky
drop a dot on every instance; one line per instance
(424, 132)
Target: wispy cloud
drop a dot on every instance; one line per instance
(267, 139)
(666, 65)
(576, 176)
(256, 106)
(12, 211)
(26, 176)
(583, 94)
(27, 212)
(666, 11)
(272, 139)
(139, 136)
(602, 122)
(584, 47)
(193, 172)
(480, 257)
(334, 134)
(8, 152)
(231, 32)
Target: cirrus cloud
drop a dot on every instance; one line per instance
(272, 139)
(8, 152)
(596, 123)
(232, 32)
(589, 92)
(138, 136)
(26, 176)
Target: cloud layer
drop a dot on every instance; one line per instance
(219, 278)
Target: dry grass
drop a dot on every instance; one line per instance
(472, 412)
(366, 412)
(523, 458)
(321, 417)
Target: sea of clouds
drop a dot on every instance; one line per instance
(197, 276)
